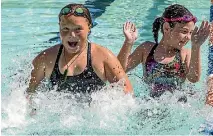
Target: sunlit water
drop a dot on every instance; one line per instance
(26, 28)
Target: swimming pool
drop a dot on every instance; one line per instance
(27, 27)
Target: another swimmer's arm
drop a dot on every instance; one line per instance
(131, 61)
(209, 97)
(135, 58)
(130, 33)
(37, 74)
(124, 53)
(114, 72)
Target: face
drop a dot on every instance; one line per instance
(179, 36)
(73, 32)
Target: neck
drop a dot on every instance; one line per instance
(166, 47)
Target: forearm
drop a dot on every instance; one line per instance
(32, 106)
(33, 84)
(128, 86)
(35, 81)
(209, 98)
(31, 90)
(124, 53)
(195, 65)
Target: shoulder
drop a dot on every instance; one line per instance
(46, 55)
(101, 51)
(145, 49)
(147, 45)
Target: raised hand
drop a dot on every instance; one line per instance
(200, 35)
(130, 32)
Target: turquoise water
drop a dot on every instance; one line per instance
(26, 28)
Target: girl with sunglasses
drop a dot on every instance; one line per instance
(167, 64)
(77, 65)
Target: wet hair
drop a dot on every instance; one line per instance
(173, 11)
(86, 12)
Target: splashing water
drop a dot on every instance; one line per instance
(108, 111)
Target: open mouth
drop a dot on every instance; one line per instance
(72, 44)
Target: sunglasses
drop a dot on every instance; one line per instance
(185, 18)
(76, 11)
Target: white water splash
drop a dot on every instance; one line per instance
(108, 111)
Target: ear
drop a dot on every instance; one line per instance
(166, 28)
(90, 26)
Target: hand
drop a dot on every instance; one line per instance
(130, 32)
(30, 101)
(200, 36)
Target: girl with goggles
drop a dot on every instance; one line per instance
(167, 64)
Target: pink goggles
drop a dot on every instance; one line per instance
(185, 18)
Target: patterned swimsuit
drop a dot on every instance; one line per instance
(164, 77)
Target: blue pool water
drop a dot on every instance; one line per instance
(31, 26)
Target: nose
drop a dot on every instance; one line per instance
(72, 33)
(188, 36)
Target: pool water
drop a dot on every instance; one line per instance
(29, 27)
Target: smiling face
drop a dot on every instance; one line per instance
(73, 32)
(179, 36)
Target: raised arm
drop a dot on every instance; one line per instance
(199, 36)
(209, 97)
(130, 33)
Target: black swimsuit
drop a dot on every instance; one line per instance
(87, 81)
